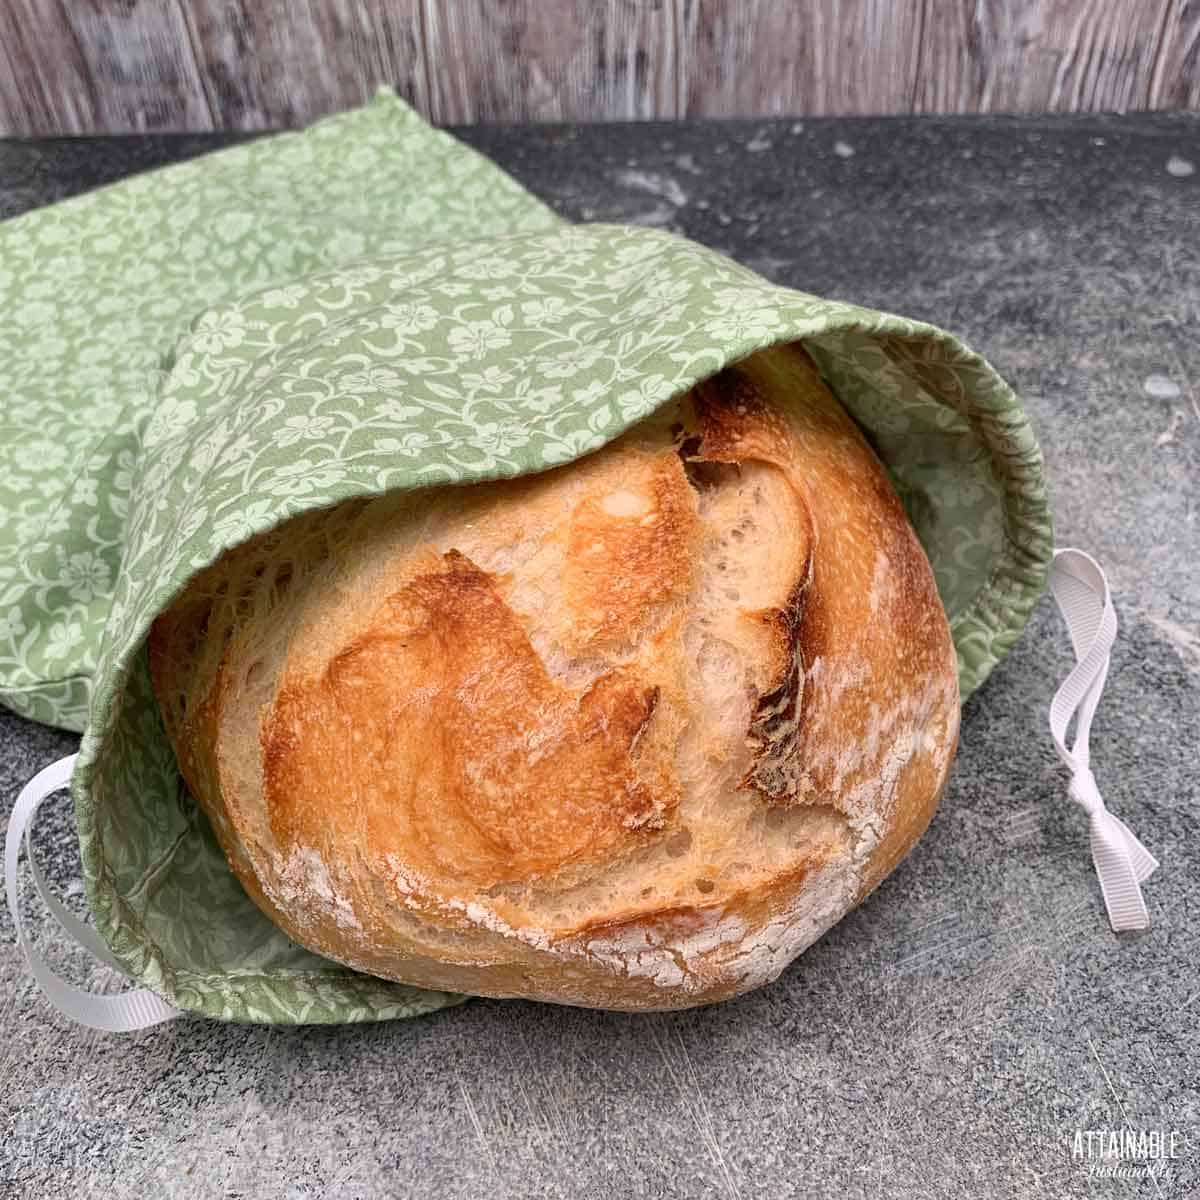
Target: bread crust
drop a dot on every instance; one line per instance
(630, 734)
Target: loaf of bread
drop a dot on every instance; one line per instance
(630, 733)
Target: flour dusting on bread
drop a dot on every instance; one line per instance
(630, 733)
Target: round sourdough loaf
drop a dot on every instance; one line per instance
(630, 733)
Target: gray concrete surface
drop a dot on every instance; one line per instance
(948, 1038)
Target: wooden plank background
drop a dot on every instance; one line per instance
(106, 66)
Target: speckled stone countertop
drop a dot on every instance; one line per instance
(949, 1037)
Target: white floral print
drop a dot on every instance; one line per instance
(409, 318)
(302, 427)
(478, 337)
(84, 574)
(241, 523)
(572, 361)
(744, 323)
(284, 297)
(371, 379)
(300, 478)
(501, 437)
(39, 454)
(473, 336)
(12, 624)
(409, 445)
(217, 331)
(62, 639)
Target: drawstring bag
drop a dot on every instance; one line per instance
(195, 355)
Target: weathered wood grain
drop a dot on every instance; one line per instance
(1054, 56)
(838, 56)
(90, 66)
(71, 67)
(271, 63)
(1175, 79)
(561, 61)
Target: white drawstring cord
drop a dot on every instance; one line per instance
(1123, 864)
(122, 1013)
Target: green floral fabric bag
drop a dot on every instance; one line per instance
(194, 355)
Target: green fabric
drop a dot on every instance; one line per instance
(382, 309)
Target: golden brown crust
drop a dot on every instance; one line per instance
(490, 771)
(631, 733)
(628, 553)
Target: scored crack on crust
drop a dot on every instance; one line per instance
(630, 733)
